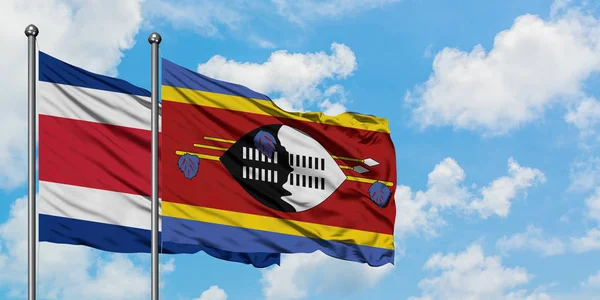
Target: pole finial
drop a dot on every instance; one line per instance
(154, 38)
(31, 30)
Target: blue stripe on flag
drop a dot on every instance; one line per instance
(123, 239)
(244, 239)
(54, 70)
(178, 76)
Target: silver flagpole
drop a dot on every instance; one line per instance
(31, 32)
(154, 39)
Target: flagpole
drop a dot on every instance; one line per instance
(31, 32)
(154, 39)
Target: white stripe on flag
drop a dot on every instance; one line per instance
(93, 105)
(95, 205)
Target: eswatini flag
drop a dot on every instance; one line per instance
(240, 174)
(95, 164)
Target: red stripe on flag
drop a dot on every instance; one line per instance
(350, 207)
(94, 155)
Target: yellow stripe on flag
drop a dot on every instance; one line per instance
(269, 108)
(277, 225)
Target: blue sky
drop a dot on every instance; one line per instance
(493, 108)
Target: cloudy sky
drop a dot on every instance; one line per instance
(494, 110)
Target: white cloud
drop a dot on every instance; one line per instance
(589, 242)
(497, 196)
(415, 213)
(444, 185)
(84, 273)
(164, 269)
(216, 18)
(201, 16)
(585, 175)
(559, 6)
(532, 239)
(427, 53)
(592, 282)
(118, 278)
(167, 267)
(296, 78)
(593, 205)
(302, 11)
(533, 65)
(420, 211)
(68, 30)
(472, 275)
(334, 102)
(300, 274)
(585, 116)
(213, 293)
(331, 109)
(261, 42)
(523, 295)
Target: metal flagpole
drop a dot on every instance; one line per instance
(154, 39)
(31, 32)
